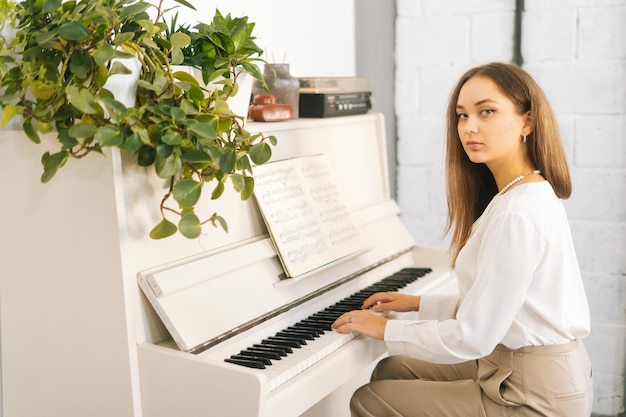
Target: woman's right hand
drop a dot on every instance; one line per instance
(392, 301)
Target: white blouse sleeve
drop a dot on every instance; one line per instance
(505, 257)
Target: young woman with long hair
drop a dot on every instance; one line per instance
(510, 343)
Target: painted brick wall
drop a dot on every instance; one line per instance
(576, 50)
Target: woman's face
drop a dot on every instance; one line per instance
(488, 124)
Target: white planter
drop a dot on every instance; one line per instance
(240, 102)
(124, 86)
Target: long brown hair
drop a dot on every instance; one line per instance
(470, 186)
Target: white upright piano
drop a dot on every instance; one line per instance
(193, 328)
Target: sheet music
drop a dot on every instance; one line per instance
(306, 213)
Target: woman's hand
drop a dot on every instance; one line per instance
(364, 322)
(392, 301)
(373, 325)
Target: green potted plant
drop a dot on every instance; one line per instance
(54, 72)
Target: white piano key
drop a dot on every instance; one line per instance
(303, 358)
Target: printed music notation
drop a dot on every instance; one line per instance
(306, 213)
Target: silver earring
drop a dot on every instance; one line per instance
(524, 139)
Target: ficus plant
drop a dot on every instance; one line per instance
(54, 70)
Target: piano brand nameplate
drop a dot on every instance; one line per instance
(306, 213)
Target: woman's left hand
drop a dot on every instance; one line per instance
(360, 321)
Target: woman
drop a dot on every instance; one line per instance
(509, 344)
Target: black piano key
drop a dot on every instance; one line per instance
(286, 348)
(282, 350)
(323, 325)
(286, 341)
(277, 354)
(293, 336)
(313, 329)
(310, 334)
(264, 361)
(249, 363)
(259, 354)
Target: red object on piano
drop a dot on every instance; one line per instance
(265, 109)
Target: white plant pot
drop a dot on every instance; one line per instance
(124, 86)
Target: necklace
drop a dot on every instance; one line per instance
(516, 180)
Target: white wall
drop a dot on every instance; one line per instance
(315, 38)
(576, 49)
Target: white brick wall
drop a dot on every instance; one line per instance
(576, 49)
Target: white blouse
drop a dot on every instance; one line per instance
(519, 285)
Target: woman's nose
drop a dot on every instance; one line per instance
(470, 125)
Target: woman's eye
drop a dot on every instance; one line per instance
(487, 112)
(461, 116)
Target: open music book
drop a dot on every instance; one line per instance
(306, 213)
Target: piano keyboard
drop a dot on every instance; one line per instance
(299, 346)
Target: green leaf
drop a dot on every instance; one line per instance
(51, 5)
(168, 167)
(202, 130)
(47, 39)
(180, 40)
(120, 38)
(177, 56)
(227, 161)
(52, 163)
(196, 93)
(41, 90)
(8, 112)
(187, 192)
(221, 221)
(133, 9)
(260, 153)
(109, 136)
(146, 85)
(131, 144)
(73, 31)
(217, 192)
(185, 77)
(149, 43)
(30, 131)
(196, 156)
(83, 130)
(103, 54)
(81, 65)
(248, 188)
(177, 114)
(148, 26)
(82, 100)
(190, 226)
(114, 106)
(185, 3)
(238, 182)
(171, 138)
(119, 68)
(146, 156)
(164, 229)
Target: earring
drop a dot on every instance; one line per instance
(524, 139)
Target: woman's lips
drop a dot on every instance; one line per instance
(472, 144)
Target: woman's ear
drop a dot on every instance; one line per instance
(528, 125)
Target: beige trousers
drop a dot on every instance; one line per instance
(534, 381)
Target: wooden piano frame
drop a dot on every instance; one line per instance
(79, 337)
